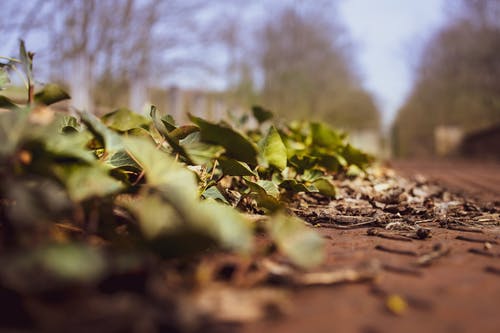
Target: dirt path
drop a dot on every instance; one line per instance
(476, 178)
(460, 292)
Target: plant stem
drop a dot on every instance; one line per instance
(11, 59)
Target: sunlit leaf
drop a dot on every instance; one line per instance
(111, 140)
(68, 124)
(50, 94)
(231, 167)
(4, 78)
(325, 187)
(70, 145)
(155, 216)
(203, 153)
(213, 193)
(26, 60)
(263, 198)
(226, 224)
(169, 122)
(183, 131)
(310, 175)
(84, 182)
(274, 150)
(124, 119)
(236, 145)
(295, 187)
(355, 156)
(161, 169)
(301, 244)
(174, 143)
(324, 136)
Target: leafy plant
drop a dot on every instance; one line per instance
(151, 185)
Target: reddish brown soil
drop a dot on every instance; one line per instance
(476, 178)
(458, 293)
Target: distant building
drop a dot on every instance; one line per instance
(483, 144)
(447, 140)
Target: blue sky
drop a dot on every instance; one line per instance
(388, 35)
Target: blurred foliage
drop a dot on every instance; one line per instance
(148, 184)
(294, 58)
(457, 82)
(308, 72)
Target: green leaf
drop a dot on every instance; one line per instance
(68, 125)
(12, 129)
(122, 159)
(213, 193)
(26, 60)
(325, 187)
(355, 156)
(237, 146)
(261, 114)
(324, 136)
(70, 145)
(331, 161)
(124, 119)
(183, 131)
(293, 238)
(274, 150)
(310, 175)
(139, 132)
(296, 187)
(84, 182)
(112, 141)
(4, 78)
(203, 153)
(174, 143)
(156, 217)
(161, 169)
(231, 167)
(226, 224)
(270, 187)
(6, 103)
(50, 94)
(72, 262)
(169, 122)
(263, 197)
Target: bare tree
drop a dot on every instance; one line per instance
(457, 79)
(307, 71)
(112, 41)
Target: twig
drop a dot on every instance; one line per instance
(476, 240)
(378, 233)
(437, 252)
(396, 251)
(491, 269)
(367, 273)
(338, 226)
(465, 229)
(483, 253)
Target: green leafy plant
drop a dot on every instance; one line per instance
(148, 184)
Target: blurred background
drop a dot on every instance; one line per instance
(405, 78)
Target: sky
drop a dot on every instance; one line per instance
(387, 36)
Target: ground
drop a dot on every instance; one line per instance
(460, 292)
(409, 249)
